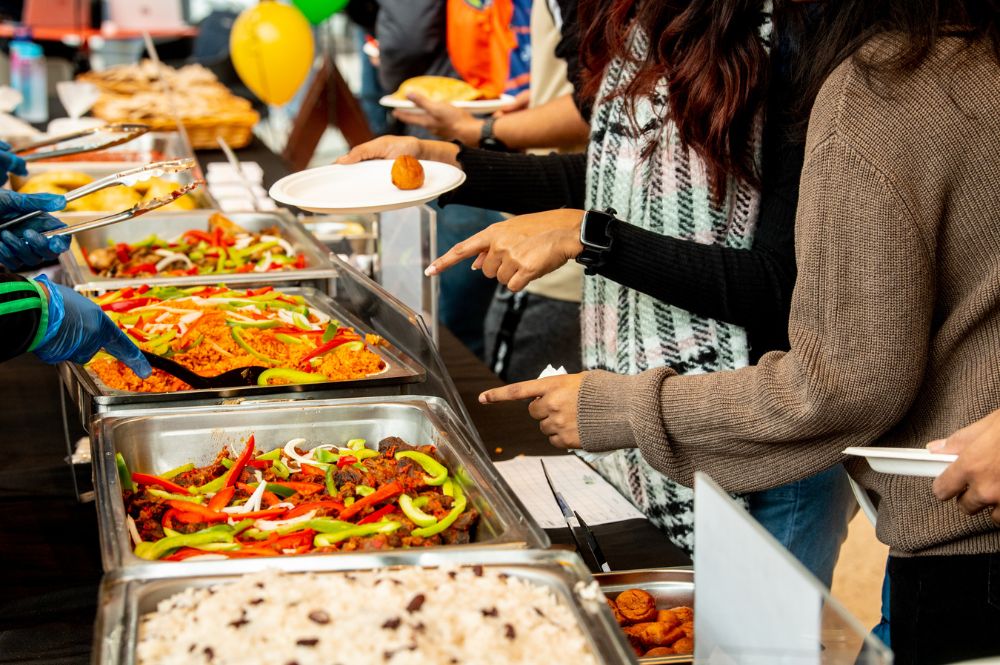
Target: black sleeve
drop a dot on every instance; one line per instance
(518, 183)
(568, 47)
(20, 314)
(750, 288)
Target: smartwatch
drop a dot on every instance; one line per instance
(596, 236)
(488, 140)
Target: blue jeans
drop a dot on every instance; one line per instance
(465, 293)
(371, 91)
(809, 517)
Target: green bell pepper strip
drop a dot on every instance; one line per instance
(437, 473)
(349, 501)
(216, 547)
(280, 490)
(280, 470)
(152, 551)
(124, 476)
(270, 456)
(288, 339)
(457, 509)
(289, 374)
(259, 325)
(171, 532)
(364, 490)
(365, 453)
(226, 462)
(421, 501)
(417, 516)
(324, 456)
(327, 525)
(235, 332)
(356, 444)
(448, 489)
(327, 539)
(212, 486)
(174, 497)
(331, 487)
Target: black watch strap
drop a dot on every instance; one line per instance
(597, 237)
(488, 140)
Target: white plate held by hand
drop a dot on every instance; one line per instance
(904, 461)
(362, 188)
(475, 106)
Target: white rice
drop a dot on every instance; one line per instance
(467, 615)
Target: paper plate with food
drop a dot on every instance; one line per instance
(444, 89)
(367, 187)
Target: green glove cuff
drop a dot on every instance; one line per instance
(43, 320)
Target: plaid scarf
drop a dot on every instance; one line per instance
(627, 332)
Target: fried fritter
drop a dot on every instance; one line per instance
(407, 173)
(653, 634)
(659, 651)
(636, 605)
(684, 613)
(622, 621)
(667, 617)
(688, 628)
(684, 645)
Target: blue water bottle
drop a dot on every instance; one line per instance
(28, 76)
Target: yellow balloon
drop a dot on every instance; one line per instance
(272, 49)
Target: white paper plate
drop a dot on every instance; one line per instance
(476, 106)
(364, 187)
(904, 461)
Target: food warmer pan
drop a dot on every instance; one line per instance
(93, 398)
(671, 587)
(318, 272)
(156, 440)
(128, 594)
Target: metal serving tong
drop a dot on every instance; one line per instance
(127, 178)
(107, 136)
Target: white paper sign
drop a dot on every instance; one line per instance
(756, 604)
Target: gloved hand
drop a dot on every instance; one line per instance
(23, 246)
(78, 329)
(10, 163)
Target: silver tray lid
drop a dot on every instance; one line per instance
(126, 594)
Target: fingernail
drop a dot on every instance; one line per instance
(936, 446)
(431, 270)
(483, 399)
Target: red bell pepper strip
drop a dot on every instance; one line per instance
(260, 514)
(148, 479)
(221, 498)
(142, 289)
(218, 238)
(296, 331)
(346, 460)
(329, 346)
(123, 252)
(301, 488)
(275, 266)
(308, 470)
(378, 514)
(246, 267)
(304, 508)
(142, 267)
(191, 271)
(200, 235)
(244, 552)
(185, 553)
(300, 261)
(259, 292)
(127, 293)
(387, 491)
(258, 463)
(241, 461)
(293, 540)
(204, 513)
(135, 333)
(168, 519)
(126, 305)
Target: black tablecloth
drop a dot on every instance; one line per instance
(49, 556)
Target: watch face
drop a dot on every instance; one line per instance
(595, 229)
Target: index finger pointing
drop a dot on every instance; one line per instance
(467, 248)
(515, 391)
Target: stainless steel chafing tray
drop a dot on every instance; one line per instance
(154, 441)
(671, 587)
(93, 398)
(318, 272)
(129, 594)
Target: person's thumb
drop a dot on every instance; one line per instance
(358, 153)
(33, 202)
(429, 105)
(121, 347)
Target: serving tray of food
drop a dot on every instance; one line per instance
(304, 340)
(654, 609)
(188, 248)
(369, 474)
(397, 607)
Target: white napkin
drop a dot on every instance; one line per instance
(77, 97)
(583, 454)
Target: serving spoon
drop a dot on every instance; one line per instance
(241, 376)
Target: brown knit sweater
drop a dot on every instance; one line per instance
(895, 321)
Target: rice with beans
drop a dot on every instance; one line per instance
(400, 617)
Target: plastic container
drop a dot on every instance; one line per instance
(28, 76)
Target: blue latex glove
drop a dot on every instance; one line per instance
(78, 329)
(10, 163)
(24, 246)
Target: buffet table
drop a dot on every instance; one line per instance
(49, 551)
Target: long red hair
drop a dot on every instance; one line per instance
(713, 59)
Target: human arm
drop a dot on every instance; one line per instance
(974, 478)
(23, 245)
(556, 124)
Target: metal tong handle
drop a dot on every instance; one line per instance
(125, 215)
(107, 181)
(132, 131)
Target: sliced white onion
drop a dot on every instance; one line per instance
(218, 348)
(289, 250)
(132, 530)
(264, 263)
(289, 450)
(272, 525)
(252, 504)
(172, 257)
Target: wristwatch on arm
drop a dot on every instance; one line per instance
(596, 235)
(488, 140)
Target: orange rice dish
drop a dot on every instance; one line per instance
(211, 330)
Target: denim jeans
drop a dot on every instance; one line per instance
(809, 517)
(465, 293)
